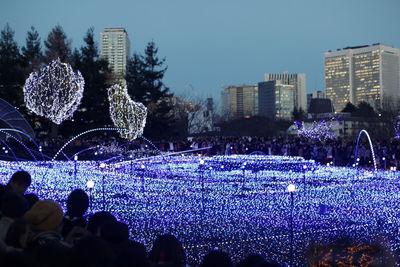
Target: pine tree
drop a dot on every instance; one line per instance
(11, 73)
(135, 80)
(32, 51)
(58, 45)
(350, 108)
(94, 109)
(145, 85)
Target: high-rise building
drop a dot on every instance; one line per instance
(298, 80)
(239, 101)
(276, 99)
(313, 95)
(115, 48)
(367, 73)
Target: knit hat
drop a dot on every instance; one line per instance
(45, 215)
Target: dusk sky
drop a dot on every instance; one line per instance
(221, 42)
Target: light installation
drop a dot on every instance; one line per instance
(321, 130)
(54, 92)
(237, 203)
(370, 146)
(397, 128)
(125, 113)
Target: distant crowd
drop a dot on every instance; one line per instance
(336, 152)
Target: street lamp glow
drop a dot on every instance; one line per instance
(201, 162)
(90, 184)
(102, 165)
(291, 188)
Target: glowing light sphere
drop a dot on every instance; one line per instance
(291, 188)
(90, 184)
(125, 113)
(54, 92)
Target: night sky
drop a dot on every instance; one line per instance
(220, 42)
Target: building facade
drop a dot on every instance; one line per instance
(298, 80)
(239, 101)
(364, 73)
(313, 95)
(276, 99)
(115, 48)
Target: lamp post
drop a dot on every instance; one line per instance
(75, 161)
(102, 166)
(90, 185)
(131, 156)
(291, 188)
(201, 166)
(142, 176)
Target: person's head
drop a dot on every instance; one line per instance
(91, 251)
(97, 220)
(114, 232)
(45, 215)
(20, 181)
(13, 205)
(167, 250)
(216, 258)
(77, 203)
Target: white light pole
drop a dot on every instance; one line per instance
(90, 185)
(291, 188)
(102, 166)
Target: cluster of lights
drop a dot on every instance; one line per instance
(54, 92)
(243, 207)
(321, 130)
(125, 113)
(397, 128)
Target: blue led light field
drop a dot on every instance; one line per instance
(238, 203)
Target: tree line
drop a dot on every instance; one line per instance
(144, 77)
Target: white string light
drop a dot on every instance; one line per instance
(54, 92)
(125, 113)
(321, 130)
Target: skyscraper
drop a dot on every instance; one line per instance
(276, 99)
(313, 95)
(115, 48)
(239, 101)
(367, 73)
(298, 80)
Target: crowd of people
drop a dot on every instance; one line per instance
(36, 232)
(333, 152)
(338, 152)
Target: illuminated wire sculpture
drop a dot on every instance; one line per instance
(125, 113)
(321, 130)
(54, 92)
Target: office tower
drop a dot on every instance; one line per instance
(115, 48)
(239, 101)
(367, 73)
(298, 80)
(313, 95)
(276, 99)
